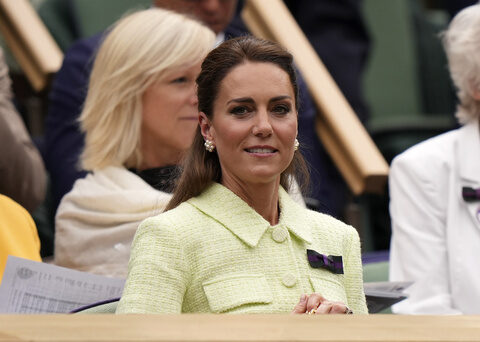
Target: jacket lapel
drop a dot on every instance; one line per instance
(292, 215)
(237, 216)
(232, 212)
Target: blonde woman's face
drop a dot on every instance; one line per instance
(170, 115)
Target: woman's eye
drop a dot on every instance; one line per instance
(281, 109)
(240, 110)
(180, 80)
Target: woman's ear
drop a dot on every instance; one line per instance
(205, 126)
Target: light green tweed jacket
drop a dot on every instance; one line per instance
(214, 253)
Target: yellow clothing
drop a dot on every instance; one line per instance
(214, 253)
(18, 233)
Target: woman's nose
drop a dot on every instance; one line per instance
(194, 100)
(262, 125)
(193, 96)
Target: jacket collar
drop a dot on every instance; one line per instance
(469, 152)
(243, 221)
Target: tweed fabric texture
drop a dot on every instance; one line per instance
(214, 253)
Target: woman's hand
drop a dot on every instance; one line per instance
(317, 304)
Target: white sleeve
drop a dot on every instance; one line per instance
(418, 250)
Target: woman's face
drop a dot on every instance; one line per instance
(254, 123)
(170, 115)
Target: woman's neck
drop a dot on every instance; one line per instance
(262, 197)
(154, 156)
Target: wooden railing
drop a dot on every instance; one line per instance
(258, 328)
(343, 135)
(29, 40)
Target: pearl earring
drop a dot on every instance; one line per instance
(209, 146)
(296, 144)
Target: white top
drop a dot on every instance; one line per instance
(97, 219)
(436, 234)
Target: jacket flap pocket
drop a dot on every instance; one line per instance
(329, 287)
(227, 292)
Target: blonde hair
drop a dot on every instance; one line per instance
(140, 49)
(462, 45)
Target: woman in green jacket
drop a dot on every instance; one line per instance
(234, 241)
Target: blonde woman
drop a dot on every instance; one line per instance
(139, 117)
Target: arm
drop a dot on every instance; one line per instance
(22, 173)
(418, 249)
(157, 271)
(354, 274)
(63, 138)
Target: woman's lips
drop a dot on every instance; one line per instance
(262, 150)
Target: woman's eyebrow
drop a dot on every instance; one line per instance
(242, 99)
(250, 100)
(279, 98)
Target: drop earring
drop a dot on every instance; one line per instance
(296, 144)
(209, 146)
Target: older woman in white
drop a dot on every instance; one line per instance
(139, 117)
(435, 196)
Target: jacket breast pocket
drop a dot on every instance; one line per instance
(231, 291)
(329, 287)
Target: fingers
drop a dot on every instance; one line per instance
(317, 304)
(321, 306)
(324, 308)
(339, 308)
(314, 301)
(301, 307)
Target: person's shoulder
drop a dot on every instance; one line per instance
(300, 216)
(76, 66)
(426, 165)
(85, 45)
(436, 149)
(184, 215)
(88, 192)
(327, 227)
(331, 223)
(81, 54)
(113, 189)
(8, 205)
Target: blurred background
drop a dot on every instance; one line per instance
(406, 84)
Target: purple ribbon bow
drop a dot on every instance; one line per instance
(470, 194)
(333, 263)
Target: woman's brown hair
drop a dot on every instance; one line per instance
(201, 167)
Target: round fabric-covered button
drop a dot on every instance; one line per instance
(289, 280)
(279, 234)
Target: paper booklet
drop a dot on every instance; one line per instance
(30, 287)
(381, 295)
